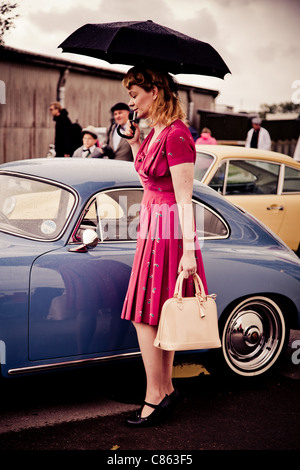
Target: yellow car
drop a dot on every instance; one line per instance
(265, 184)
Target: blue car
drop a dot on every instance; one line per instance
(68, 232)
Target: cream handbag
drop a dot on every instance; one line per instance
(188, 322)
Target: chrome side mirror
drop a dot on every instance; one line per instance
(90, 240)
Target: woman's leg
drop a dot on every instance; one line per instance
(167, 364)
(158, 367)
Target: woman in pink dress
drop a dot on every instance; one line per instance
(166, 243)
(206, 138)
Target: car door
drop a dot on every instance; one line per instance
(76, 295)
(253, 185)
(290, 197)
(77, 292)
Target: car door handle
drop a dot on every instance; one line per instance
(275, 208)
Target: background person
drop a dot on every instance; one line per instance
(206, 138)
(117, 147)
(258, 137)
(89, 148)
(296, 155)
(63, 130)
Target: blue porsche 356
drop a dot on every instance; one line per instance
(68, 232)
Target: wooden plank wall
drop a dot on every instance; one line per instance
(26, 126)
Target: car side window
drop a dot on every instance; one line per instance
(118, 214)
(88, 220)
(208, 223)
(291, 180)
(114, 215)
(252, 177)
(217, 182)
(203, 163)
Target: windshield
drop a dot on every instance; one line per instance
(34, 209)
(203, 162)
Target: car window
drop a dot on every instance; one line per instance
(89, 220)
(291, 180)
(118, 214)
(217, 181)
(251, 177)
(33, 208)
(208, 223)
(114, 215)
(203, 162)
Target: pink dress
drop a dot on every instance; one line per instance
(159, 243)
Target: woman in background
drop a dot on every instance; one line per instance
(206, 138)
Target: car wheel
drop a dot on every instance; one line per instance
(254, 336)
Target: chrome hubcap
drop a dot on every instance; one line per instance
(253, 336)
(246, 332)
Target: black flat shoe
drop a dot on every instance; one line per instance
(156, 417)
(174, 397)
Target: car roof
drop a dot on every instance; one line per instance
(76, 172)
(86, 175)
(225, 151)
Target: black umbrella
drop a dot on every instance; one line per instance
(147, 43)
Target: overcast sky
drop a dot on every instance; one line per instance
(258, 39)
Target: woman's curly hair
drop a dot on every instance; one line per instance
(167, 107)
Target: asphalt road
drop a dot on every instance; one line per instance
(86, 410)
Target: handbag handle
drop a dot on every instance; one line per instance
(199, 288)
(199, 292)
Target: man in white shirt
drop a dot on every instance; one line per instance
(258, 137)
(297, 150)
(89, 148)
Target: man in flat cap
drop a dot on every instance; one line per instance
(117, 147)
(258, 137)
(89, 148)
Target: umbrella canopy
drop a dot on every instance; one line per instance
(147, 43)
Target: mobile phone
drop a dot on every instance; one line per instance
(134, 119)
